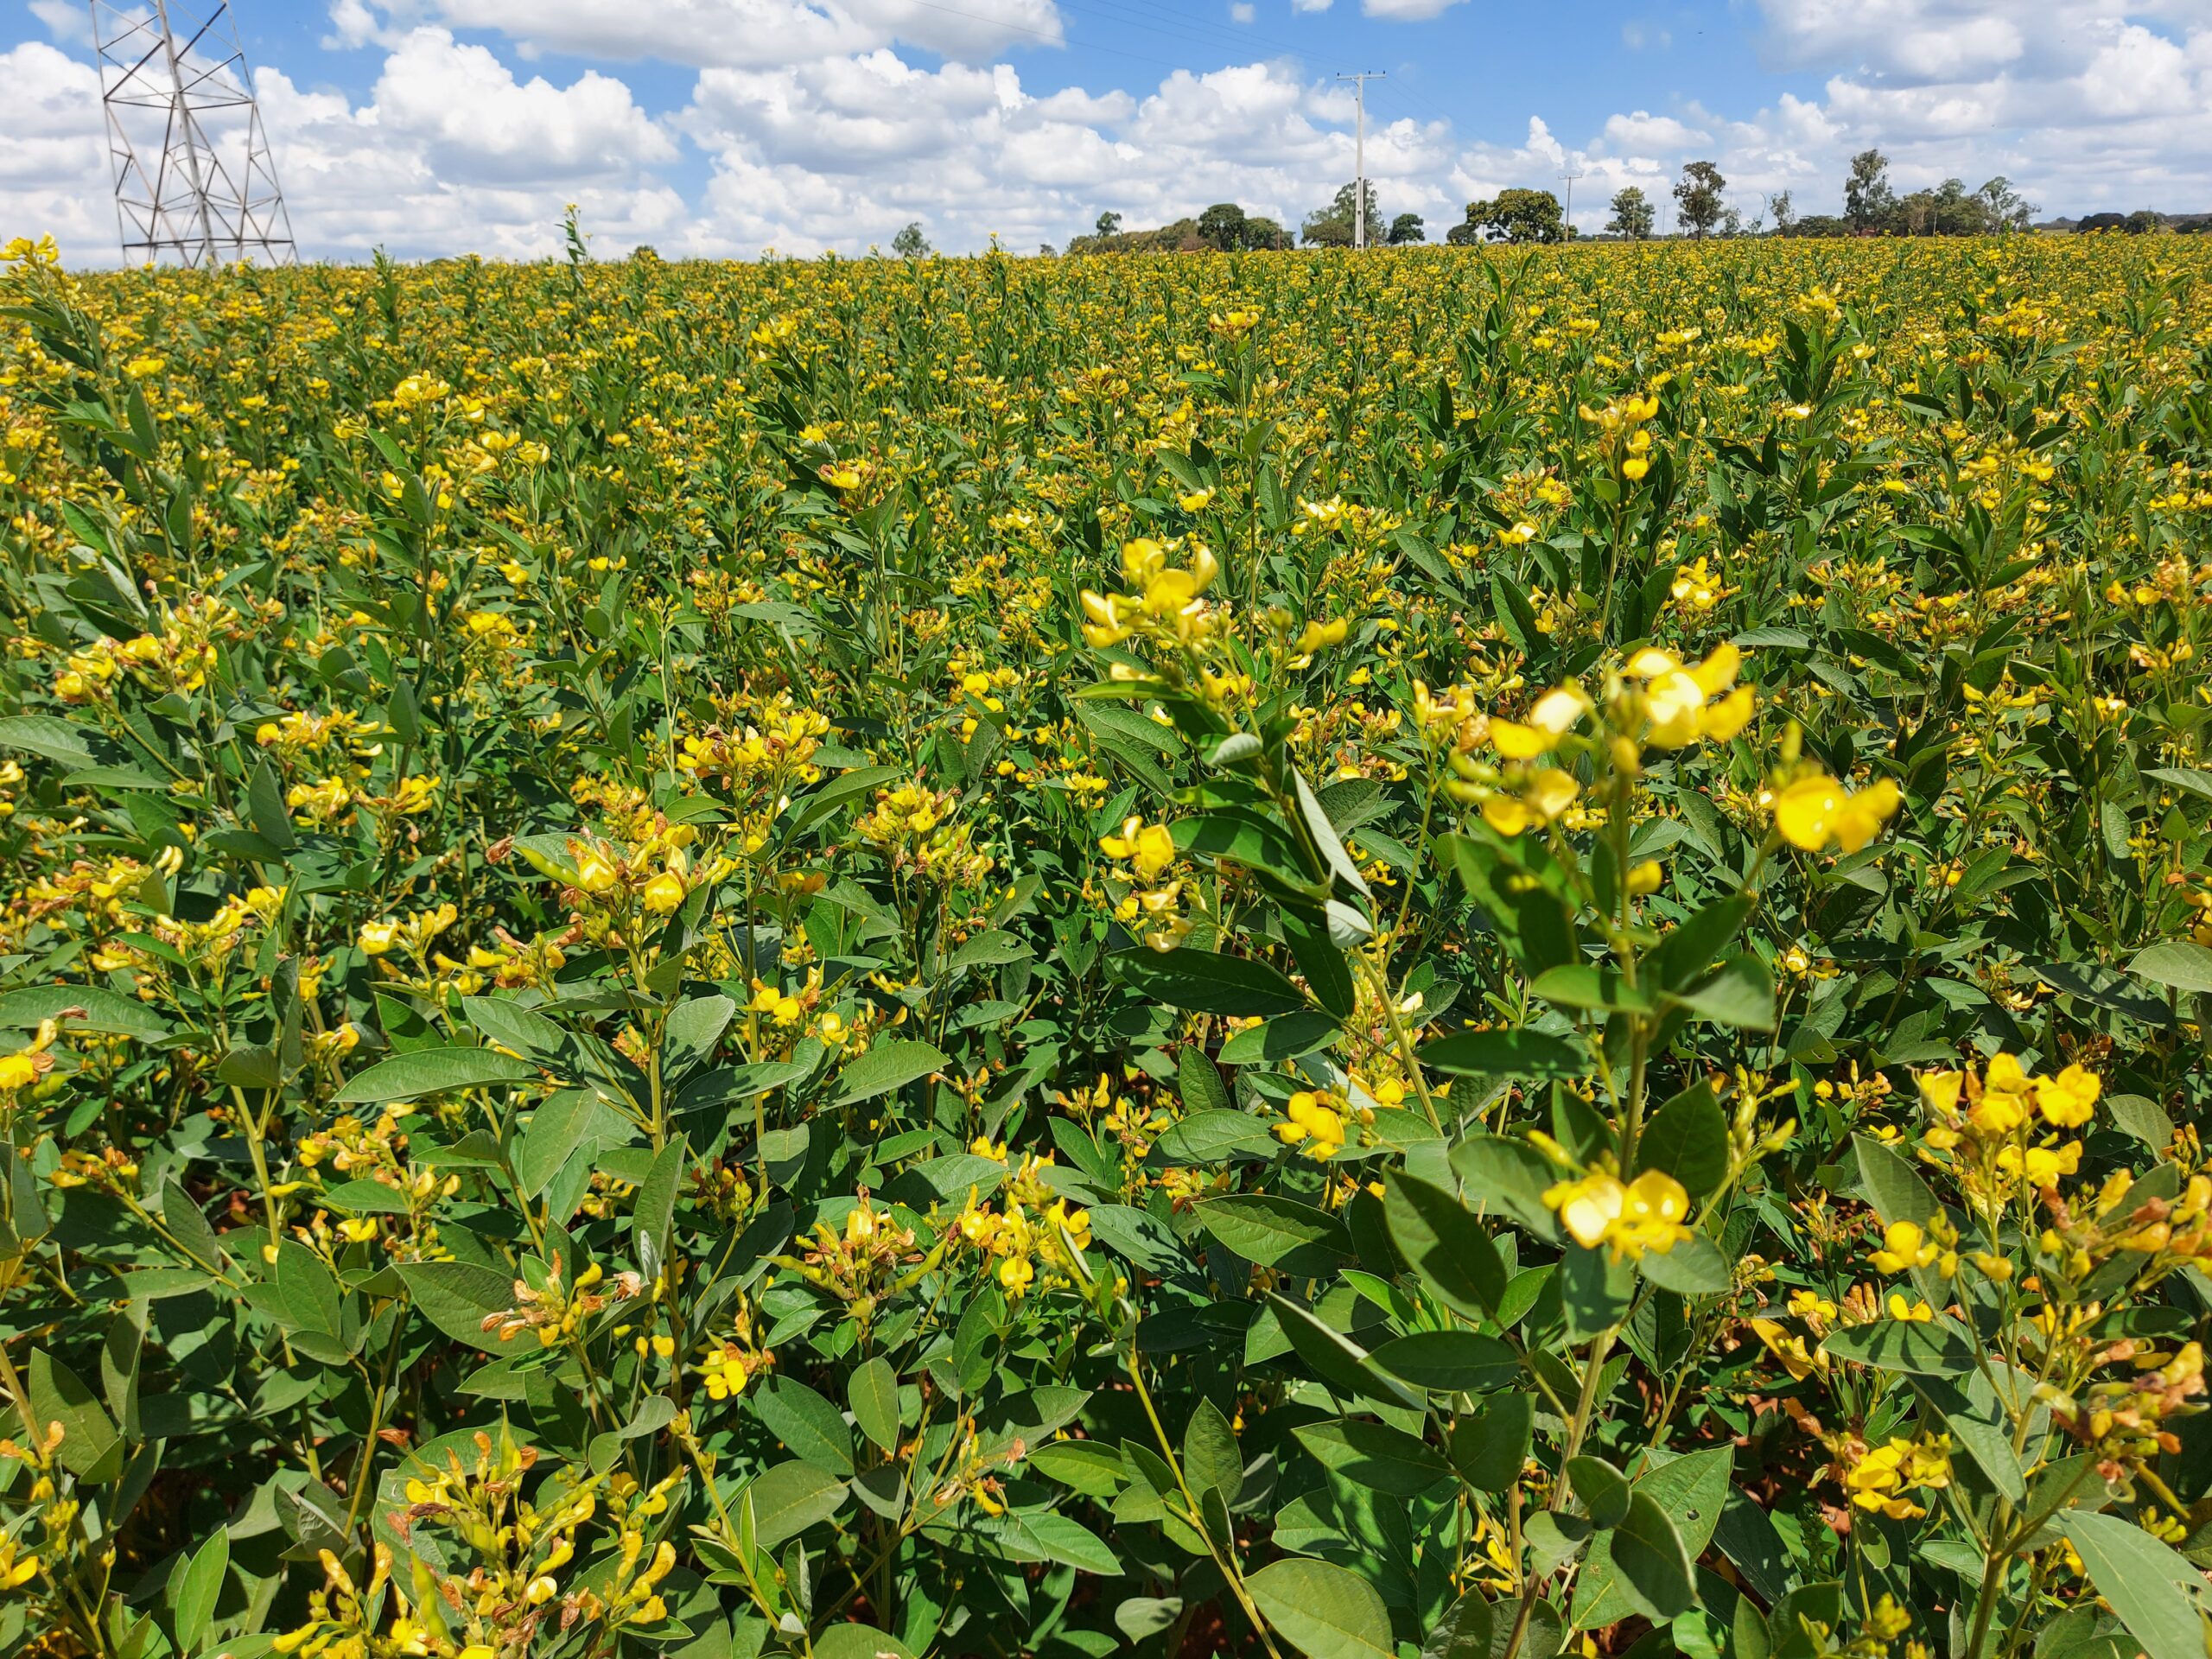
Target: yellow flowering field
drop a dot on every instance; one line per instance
(1438, 955)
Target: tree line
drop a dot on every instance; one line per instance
(1872, 207)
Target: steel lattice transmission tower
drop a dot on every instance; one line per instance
(193, 181)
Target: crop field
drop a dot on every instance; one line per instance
(1467, 954)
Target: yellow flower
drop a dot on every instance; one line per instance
(1813, 811)
(1651, 1215)
(1904, 1247)
(664, 892)
(1790, 1349)
(1645, 1215)
(1517, 742)
(1149, 847)
(2069, 1100)
(1997, 1112)
(1316, 1128)
(1940, 1091)
(1588, 1207)
(723, 1370)
(377, 938)
(1546, 794)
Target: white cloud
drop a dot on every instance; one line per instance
(1406, 12)
(1242, 12)
(841, 152)
(2139, 73)
(477, 124)
(67, 23)
(1639, 38)
(53, 166)
(756, 34)
(450, 152)
(1646, 131)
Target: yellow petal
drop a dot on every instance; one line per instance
(1518, 742)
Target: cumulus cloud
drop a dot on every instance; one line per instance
(755, 33)
(1406, 12)
(53, 166)
(1644, 130)
(839, 153)
(450, 151)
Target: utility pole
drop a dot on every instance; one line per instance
(1360, 78)
(170, 72)
(1570, 176)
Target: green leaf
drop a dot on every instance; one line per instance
(1447, 1247)
(49, 736)
(1520, 1053)
(1205, 983)
(1937, 1347)
(1336, 1358)
(1287, 1037)
(1693, 1492)
(888, 1065)
(1199, 1079)
(808, 1425)
(1463, 1632)
(1510, 1177)
(98, 1009)
(1694, 1267)
(90, 1448)
(2185, 778)
(2154, 1591)
(563, 1124)
(1980, 1425)
(1688, 1138)
(1655, 1569)
(1281, 1233)
(1741, 994)
(1583, 985)
(1602, 1487)
(1375, 1455)
(1489, 1446)
(694, 1026)
(1686, 952)
(1095, 1470)
(307, 1288)
(433, 1071)
(872, 1392)
(1893, 1185)
(790, 1497)
(1046, 1535)
(264, 798)
(856, 1642)
(456, 1296)
(1211, 1458)
(1212, 1137)
(199, 1587)
(652, 1219)
(2179, 966)
(1325, 836)
(1327, 1611)
(511, 1025)
(1450, 1361)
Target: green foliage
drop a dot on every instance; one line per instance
(946, 957)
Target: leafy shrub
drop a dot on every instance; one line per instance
(1282, 953)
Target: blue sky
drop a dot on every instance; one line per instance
(728, 126)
